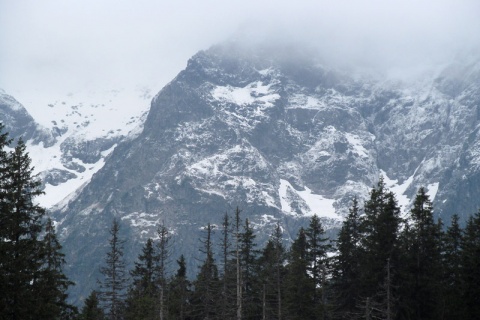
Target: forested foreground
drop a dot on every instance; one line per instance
(382, 265)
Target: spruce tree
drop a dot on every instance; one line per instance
(471, 267)
(228, 271)
(380, 239)
(299, 286)
(346, 265)
(248, 256)
(91, 308)
(452, 283)
(238, 266)
(22, 265)
(114, 282)
(164, 252)
(318, 247)
(271, 272)
(206, 284)
(142, 295)
(421, 262)
(178, 304)
(52, 282)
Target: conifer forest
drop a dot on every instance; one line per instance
(382, 264)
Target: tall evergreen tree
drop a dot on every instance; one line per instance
(164, 252)
(141, 302)
(248, 254)
(471, 267)
(271, 272)
(380, 241)
(238, 266)
(207, 284)
(421, 262)
(228, 271)
(318, 247)
(179, 292)
(453, 303)
(91, 308)
(299, 286)
(32, 284)
(52, 282)
(114, 283)
(346, 266)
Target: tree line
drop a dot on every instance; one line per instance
(382, 265)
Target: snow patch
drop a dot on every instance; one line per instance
(221, 174)
(93, 113)
(356, 143)
(48, 158)
(399, 189)
(432, 190)
(142, 220)
(315, 204)
(255, 92)
(264, 221)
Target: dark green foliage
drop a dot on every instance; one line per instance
(420, 268)
(271, 273)
(21, 246)
(453, 305)
(346, 265)
(163, 247)
(228, 271)
(148, 294)
(178, 303)
(142, 295)
(91, 309)
(207, 284)
(112, 290)
(52, 283)
(318, 247)
(471, 267)
(32, 284)
(379, 243)
(299, 286)
(248, 260)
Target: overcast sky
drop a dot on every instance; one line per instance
(62, 45)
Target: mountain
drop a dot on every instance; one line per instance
(70, 136)
(278, 133)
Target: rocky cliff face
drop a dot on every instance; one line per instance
(280, 136)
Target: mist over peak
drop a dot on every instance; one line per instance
(49, 46)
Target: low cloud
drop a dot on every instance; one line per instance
(62, 45)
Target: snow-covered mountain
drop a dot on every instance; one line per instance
(69, 137)
(270, 130)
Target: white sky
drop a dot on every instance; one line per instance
(60, 46)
